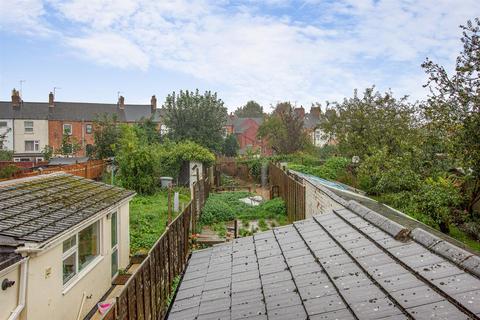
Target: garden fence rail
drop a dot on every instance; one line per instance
(146, 294)
(290, 190)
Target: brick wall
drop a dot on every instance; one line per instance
(318, 202)
(55, 134)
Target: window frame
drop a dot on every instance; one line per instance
(74, 250)
(67, 125)
(30, 128)
(88, 128)
(36, 145)
(3, 124)
(114, 247)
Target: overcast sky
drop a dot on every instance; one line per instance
(300, 51)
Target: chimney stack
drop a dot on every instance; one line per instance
(51, 100)
(153, 103)
(300, 112)
(16, 100)
(315, 111)
(121, 103)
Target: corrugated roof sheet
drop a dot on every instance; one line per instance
(337, 265)
(41, 208)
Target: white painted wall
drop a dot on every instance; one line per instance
(9, 297)
(8, 142)
(40, 133)
(48, 298)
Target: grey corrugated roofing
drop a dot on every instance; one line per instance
(337, 265)
(75, 111)
(41, 208)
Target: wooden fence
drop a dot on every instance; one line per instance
(231, 167)
(145, 295)
(290, 190)
(92, 169)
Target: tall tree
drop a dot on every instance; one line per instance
(147, 130)
(196, 117)
(230, 146)
(106, 134)
(284, 130)
(454, 105)
(251, 110)
(362, 125)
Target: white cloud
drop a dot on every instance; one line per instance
(23, 16)
(339, 46)
(111, 49)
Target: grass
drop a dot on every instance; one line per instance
(148, 218)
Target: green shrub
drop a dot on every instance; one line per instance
(436, 198)
(8, 171)
(332, 169)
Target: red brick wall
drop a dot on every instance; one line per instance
(249, 137)
(55, 134)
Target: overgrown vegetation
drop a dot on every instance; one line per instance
(222, 207)
(148, 218)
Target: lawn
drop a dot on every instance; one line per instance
(148, 218)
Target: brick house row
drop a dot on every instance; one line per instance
(31, 126)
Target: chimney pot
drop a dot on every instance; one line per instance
(16, 100)
(121, 102)
(300, 112)
(51, 100)
(153, 103)
(315, 111)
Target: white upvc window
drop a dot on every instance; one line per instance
(28, 126)
(114, 242)
(32, 145)
(3, 124)
(79, 251)
(67, 129)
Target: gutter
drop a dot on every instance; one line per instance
(22, 292)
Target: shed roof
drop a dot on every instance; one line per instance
(338, 265)
(40, 208)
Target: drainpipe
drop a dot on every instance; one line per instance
(22, 292)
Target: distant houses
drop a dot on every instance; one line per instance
(30, 126)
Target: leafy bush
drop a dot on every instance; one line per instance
(8, 171)
(437, 198)
(332, 169)
(383, 173)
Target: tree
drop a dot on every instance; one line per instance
(47, 152)
(106, 134)
(251, 110)
(454, 105)
(5, 155)
(363, 125)
(283, 130)
(69, 146)
(230, 146)
(147, 130)
(196, 117)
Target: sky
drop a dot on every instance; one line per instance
(268, 51)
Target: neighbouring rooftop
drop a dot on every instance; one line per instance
(350, 263)
(37, 209)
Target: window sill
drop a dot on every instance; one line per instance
(72, 282)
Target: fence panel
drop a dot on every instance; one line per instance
(146, 293)
(290, 190)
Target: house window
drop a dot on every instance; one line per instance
(88, 128)
(28, 125)
(32, 145)
(67, 129)
(114, 243)
(80, 250)
(3, 124)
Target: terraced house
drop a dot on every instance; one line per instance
(32, 126)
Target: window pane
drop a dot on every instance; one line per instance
(114, 262)
(69, 268)
(29, 145)
(88, 128)
(69, 243)
(88, 245)
(114, 229)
